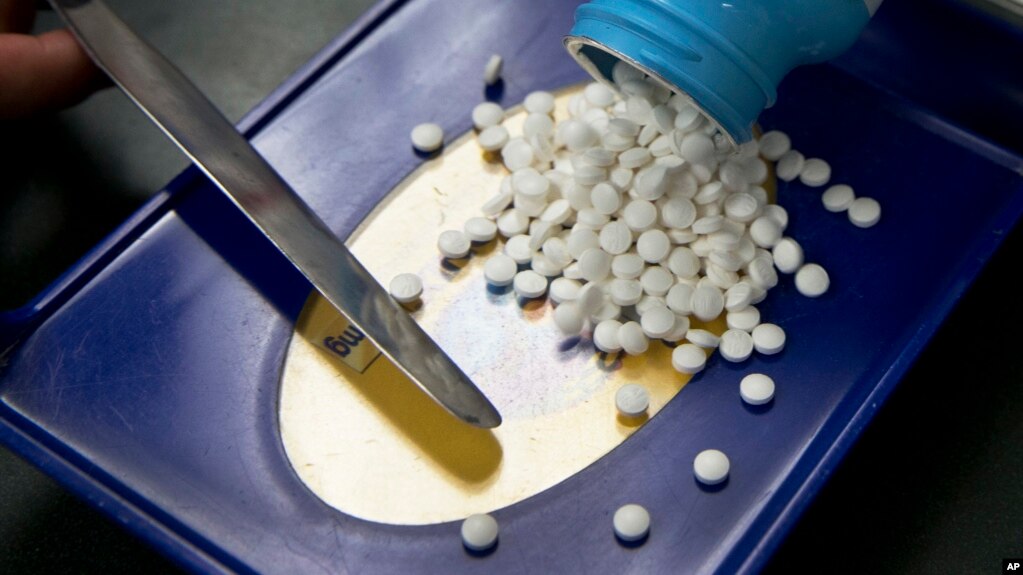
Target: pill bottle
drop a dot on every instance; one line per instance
(727, 56)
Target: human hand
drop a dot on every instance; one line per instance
(40, 73)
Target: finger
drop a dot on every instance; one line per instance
(44, 72)
(17, 15)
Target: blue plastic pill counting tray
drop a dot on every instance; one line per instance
(146, 379)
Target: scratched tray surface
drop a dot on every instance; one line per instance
(153, 390)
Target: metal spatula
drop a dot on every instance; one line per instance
(199, 129)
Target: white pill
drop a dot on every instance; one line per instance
(492, 71)
(864, 212)
(406, 288)
(703, 338)
(815, 173)
(625, 292)
(599, 95)
(838, 198)
(544, 266)
(631, 523)
(486, 115)
(788, 255)
(591, 298)
(493, 138)
(605, 198)
(632, 400)
(500, 270)
(517, 154)
(708, 224)
(529, 284)
(765, 232)
(557, 212)
(647, 302)
(605, 336)
(623, 72)
(480, 229)
(745, 319)
(640, 215)
(539, 102)
(497, 203)
(774, 144)
(479, 532)
(616, 237)
(711, 467)
(621, 178)
(569, 318)
(633, 342)
(736, 345)
(627, 266)
(591, 218)
(683, 262)
(589, 175)
(812, 280)
(427, 137)
(768, 338)
(581, 240)
(679, 298)
(607, 311)
(639, 110)
(595, 264)
(678, 213)
(707, 302)
(623, 127)
(512, 223)
(653, 246)
(679, 331)
(635, 158)
(761, 271)
(577, 135)
(756, 389)
(656, 280)
(778, 214)
(657, 322)
(453, 244)
(539, 125)
(739, 296)
(696, 147)
(564, 290)
(517, 248)
(789, 165)
(688, 358)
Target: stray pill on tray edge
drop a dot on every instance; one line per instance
(711, 466)
(479, 532)
(631, 522)
(632, 400)
(756, 389)
(492, 70)
(427, 137)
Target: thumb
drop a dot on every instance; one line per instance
(41, 73)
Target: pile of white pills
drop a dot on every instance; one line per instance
(637, 217)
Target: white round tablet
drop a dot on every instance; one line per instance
(479, 532)
(864, 212)
(688, 358)
(789, 166)
(500, 270)
(539, 102)
(605, 336)
(711, 467)
(406, 287)
(736, 345)
(453, 244)
(529, 284)
(631, 523)
(657, 322)
(480, 229)
(774, 144)
(632, 338)
(632, 400)
(564, 289)
(756, 389)
(838, 198)
(787, 255)
(812, 280)
(427, 137)
(703, 338)
(486, 115)
(493, 138)
(492, 70)
(745, 319)
(517, 248)
(815, 173)
(768, 338)
(569, 318)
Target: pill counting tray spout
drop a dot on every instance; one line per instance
(198, 128)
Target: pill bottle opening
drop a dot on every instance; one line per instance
(599, 61)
